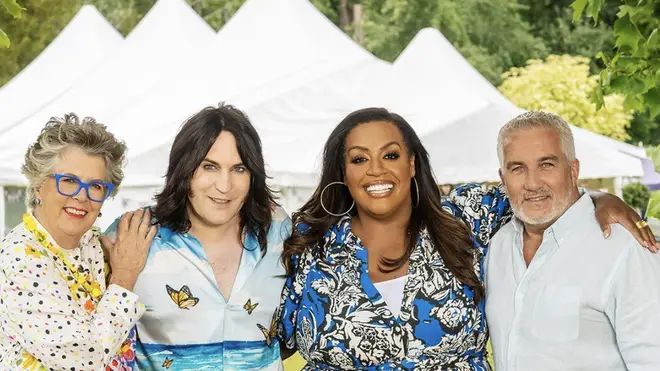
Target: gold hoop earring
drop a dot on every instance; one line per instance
(323, 206)
(416, 191)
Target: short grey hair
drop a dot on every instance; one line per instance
(537, 120)
(62, 133)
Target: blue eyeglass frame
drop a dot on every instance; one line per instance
(82, 185)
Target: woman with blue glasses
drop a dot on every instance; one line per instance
(61, 306)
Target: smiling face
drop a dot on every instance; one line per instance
(67, 218)
(220, 185)
(378, 168)
(540, 181)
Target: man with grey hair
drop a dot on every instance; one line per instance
(561, 296)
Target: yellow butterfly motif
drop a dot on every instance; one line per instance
(182, 298)
(249, 307)
(168, 362)
(271, 333)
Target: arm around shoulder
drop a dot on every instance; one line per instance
(634, 307)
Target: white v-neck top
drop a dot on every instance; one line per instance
(392, 293)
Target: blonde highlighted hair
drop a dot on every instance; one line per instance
(62, 133)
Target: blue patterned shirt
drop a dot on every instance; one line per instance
(336, 318)
(188, 324)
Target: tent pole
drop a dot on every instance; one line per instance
(618, 187)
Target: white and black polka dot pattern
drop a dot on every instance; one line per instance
(39, 315)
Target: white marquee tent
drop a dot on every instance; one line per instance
(296, 75)
(86, 40)
(164, 43)
(433, 66)
(267, 48)
(265, 51)
(456, 110)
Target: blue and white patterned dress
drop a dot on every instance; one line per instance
(336, 318)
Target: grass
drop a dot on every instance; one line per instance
(296, 362)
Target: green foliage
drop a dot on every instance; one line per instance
(562, 85)
(216, 12)
(553, 24)
(13, 8)
(41, 22)
(15, 11)
(644, 129)
(494, 35)
(633, 69)
(330, 8)
(636, 195)
(123, 14)
(653, 208)
(654, 154)
(490, 34)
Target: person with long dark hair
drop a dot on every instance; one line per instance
(382, 276)
(213, 278)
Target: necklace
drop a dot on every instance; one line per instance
(81, 280)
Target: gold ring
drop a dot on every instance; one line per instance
(641, 224)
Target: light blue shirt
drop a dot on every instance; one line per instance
(584, 302)
(188, 324)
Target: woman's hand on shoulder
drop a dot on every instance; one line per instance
(128, 254)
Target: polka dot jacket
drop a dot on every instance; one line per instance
(47, 320)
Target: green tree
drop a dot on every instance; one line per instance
(636, 195)
(490, 34)
(553, 24)
(552, 21)
(15, 11)
(653, 208)
(42, 21)
(123, 14)
(633, 69)
(216, 12)
(563, 85)
(654, 154)
(644, 129)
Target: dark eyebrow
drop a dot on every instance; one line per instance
(381, 147)
(218, 165)
(91, 181)
(210, 161)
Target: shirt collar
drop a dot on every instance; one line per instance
(169, 236)
(574, 217)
